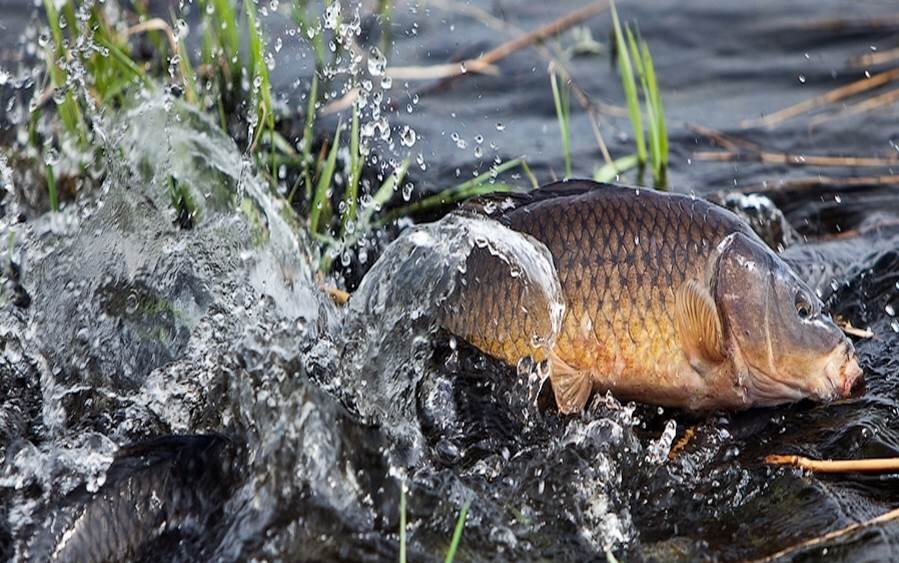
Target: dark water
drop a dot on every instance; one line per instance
(190, 394)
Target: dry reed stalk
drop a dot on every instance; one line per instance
(682, 443)
(724, 140)
(500, 52)
(834, 95)
(818, 181)
(885, 517)
(875, 58)
(875, 102)
(797, 159)
(873, 465)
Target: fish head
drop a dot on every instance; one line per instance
(775, 328)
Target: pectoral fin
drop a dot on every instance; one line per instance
(698, 326)
(571, 386)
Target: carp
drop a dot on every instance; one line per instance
(669, 300)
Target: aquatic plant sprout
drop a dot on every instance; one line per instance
(563, 113)
(635, 62)
(457, 532)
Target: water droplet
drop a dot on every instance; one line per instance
(43, 39)
(407, 137)
(278, 45)
(51, 156)
(802, 79)
(181, 29)
(407, 191)
(477, 152)
(377, 63)
(894, 324)
(500, 127)
(479, 139)
(386, 82)
(889, 310)
(332, 15)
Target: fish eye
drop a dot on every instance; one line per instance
(803, 306)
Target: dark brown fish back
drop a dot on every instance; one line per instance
(621, 254)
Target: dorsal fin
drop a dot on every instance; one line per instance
(498, 204)
(698, 326)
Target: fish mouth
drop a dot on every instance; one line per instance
(844, 373)
(852, 378)
(841, 377)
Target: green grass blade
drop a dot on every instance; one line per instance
(563, 117)
(324, 183)
(225, 20)
(51, 189)
(262, 93)
(187, 74)
(457, 533)
(69, 111)
(382, 196)
(529, 174)
(352, 192)
(307, 135)
(637, 58)
(479, 185)
(402, 523)
(317, 42)
(123, 61)
(610, 171)
(658, 107)
(630, 85)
